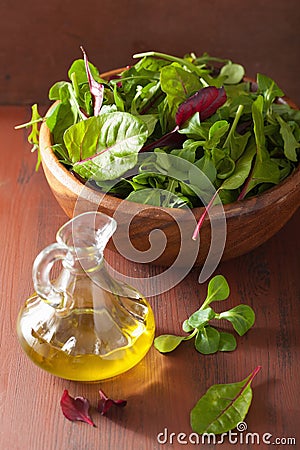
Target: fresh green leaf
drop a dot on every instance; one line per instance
(106, 146)
(242, 318)
(290, 143)
(201, 317)
(223, 406)
(217, 290)
(167, 342)
(233, 73)
(268, 88)
(178, 84)
(227, 342)
(207, 340)
(242, 169)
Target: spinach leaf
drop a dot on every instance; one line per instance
(223, 406)
(106, 146)
(178, 84)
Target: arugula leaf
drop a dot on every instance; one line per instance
(269, 89)
(290, 143)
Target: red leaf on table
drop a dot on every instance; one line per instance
(96, 88)
(105, 403)
(206, 102)
(75, 408)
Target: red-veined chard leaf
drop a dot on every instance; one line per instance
(105, 403)
(97, 89)
(205, 102)
(75, 409)
(106, 146)
(223, 406)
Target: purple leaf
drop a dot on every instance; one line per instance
(173, 138)
(105, 403)
(96, 88)
(205, 102)
(75, 408)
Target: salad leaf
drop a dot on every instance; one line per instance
(223, 406)
(75, 409)
(106, 146)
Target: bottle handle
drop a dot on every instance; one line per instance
(41, 274)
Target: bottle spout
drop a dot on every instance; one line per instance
(89, 230)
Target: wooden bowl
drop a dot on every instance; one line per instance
(250, 222)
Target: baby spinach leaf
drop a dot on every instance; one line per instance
(178, 83)
(223, 406)
(207, 340)
(242, 318)
(106, 146)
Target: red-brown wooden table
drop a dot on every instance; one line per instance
(161, 390)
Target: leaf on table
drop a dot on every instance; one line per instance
(75, 409)
(207, 340)
(105, 403)
(242, 318)
(167, 342)
(223, 406)
(218, 289)
(227, 342)
(201, 317)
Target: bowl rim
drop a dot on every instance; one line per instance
(274, 194)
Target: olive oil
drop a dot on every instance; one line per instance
(75, 348)
(85, 325)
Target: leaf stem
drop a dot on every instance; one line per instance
(234, 124)
(28, 124)
(171, 58)
(201, 220)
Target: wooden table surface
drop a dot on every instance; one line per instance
(161, 390)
